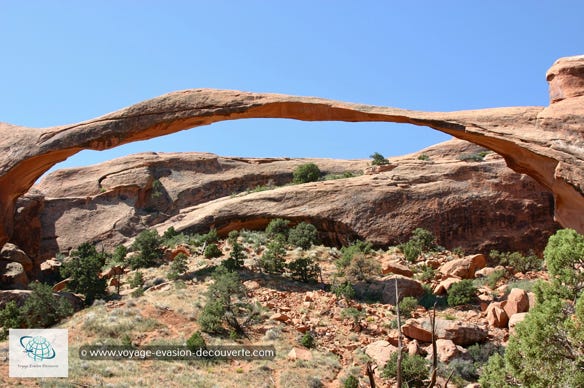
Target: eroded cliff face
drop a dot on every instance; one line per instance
(474, 205)
(544, 143)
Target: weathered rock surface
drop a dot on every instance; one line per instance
(460, 333)
(446, 350)
(115, 200)
(464, 268)
(496, 315)
(12, 275)
(385, 289)
(380, 352)
(546, 143)
(517, 302)
(11, 252)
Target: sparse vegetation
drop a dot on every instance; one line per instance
(84, 269)
(344, 175)
(407, 305)
(272, 261)
(424, 157)
(196, 342)
(224, 302)
(305, 173)
(348, 252)
(278, 229)
(343, 289)
(519, 262)
(42, 308)
(362, 269)
(474, 157)
(304, 269)
(236, 257)
(462, 292)
(147, 244)
(378, 159)
(212, 251)
(10, 318)
(307, 340)
(414, 369)
(422, 240)
(303, 235)
(178, 267)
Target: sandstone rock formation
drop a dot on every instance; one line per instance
(464, 268)
(543, 142)
(460, 333)
(474, 205)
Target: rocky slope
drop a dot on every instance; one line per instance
(474, 205)
(544, 142)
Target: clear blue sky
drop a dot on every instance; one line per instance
(68, 61)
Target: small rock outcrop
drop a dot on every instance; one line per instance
(460, 333)
(464, 268)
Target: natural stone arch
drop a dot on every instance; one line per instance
(546, 143)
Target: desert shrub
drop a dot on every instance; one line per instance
(304, 269)
(137, 280)
(84, 268)
(362, 269)
(407, 306)
(233, 236)
(303, 235)
(464, 368)
(459, 251)
(305, 173)
(424, 157)
(519, 262)
(462, 292)
(42, 308)
(138, 292)
(254, 237)
(272, 260)
(178, 267)
(211, 237)
(348, 252)
(480, 353)
(10, 318)
(474, 157)
(415, 369)
(220, 306)
(211, 317)
(278, 229)
(378, 159)
(344, 175)
(351, 382)
(352, 313)
(196, 342)
(307, 340)
(343, 289)
(426, 273)
(147, 244)
(422, 240)
(212, 250)
(119, 255)
(564, 257)
(169, 234)
(494, 277)
(236, 257)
